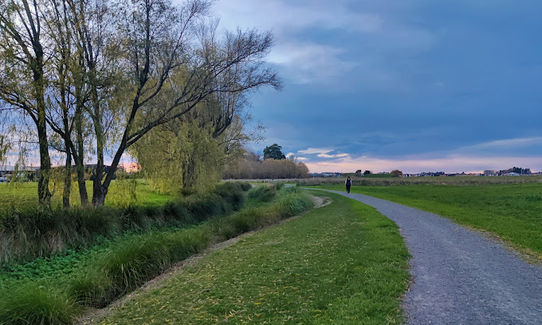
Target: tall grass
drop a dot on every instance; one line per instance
(134, 261)
(263, 193)
(143, 257)
(33, 304)
(36, 232)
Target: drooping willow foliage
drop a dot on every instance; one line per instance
(180, 156)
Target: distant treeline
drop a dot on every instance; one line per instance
(252, 167)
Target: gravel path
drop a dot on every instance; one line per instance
(460, 276)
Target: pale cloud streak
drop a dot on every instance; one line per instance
(313, 151)
(513, 143)
(339, 155)
(323, 153)
(285, 16)
(307, 62)
(447, 163)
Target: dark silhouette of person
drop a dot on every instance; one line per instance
(348, 184)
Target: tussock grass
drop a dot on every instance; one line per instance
(263, 193)
(36, 232)
(131, 262)
(33, 304)
(143, 257)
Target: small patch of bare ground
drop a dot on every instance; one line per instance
(94, 315)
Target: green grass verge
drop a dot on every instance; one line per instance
(104, 275)
(513, 212)
(344, 263)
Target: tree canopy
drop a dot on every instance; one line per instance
(273, 151)
(103, 75)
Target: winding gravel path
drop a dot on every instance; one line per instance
(459, 276)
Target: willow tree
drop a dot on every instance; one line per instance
(185, 158)
(5, 138)
(153, 42)
(23, 73)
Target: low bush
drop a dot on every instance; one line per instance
(245, 186)
(263, 193)
(233, 193)
(37, 232)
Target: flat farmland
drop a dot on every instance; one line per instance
(513, 212)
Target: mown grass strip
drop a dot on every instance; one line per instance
(512, 212)
(344, 263)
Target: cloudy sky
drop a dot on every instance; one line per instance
(417, 85)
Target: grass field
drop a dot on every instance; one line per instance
(121, 193)
(511, 211)
(344, 263)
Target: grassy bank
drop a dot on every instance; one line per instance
(107, 272)
(511, 211)
(344, 263)
(32, 232)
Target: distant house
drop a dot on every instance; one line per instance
(130, 167)
(490, 172)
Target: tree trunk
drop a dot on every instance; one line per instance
(79, 157)
(99, 192)
(44, 194)
(67, 179)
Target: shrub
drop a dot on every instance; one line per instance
(263, 193)
(293, 204)
(203, 206)
(245, 186)
(231, 192)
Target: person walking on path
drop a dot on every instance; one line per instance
(348, 184)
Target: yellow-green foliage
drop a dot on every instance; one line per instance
(123, 192)
(180, 156)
